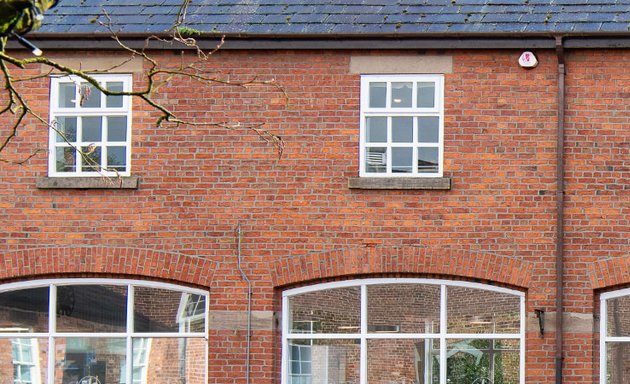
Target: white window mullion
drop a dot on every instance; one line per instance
(128, 338)
(443, 322)
(52, 327)
(364, 330)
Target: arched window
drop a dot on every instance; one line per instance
(403, 331)
(615, 337)
(91, 331)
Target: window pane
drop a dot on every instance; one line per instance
(326, 311)
(91, 308)
(67, 95)
(426, 95)
(66, 129)
(114, 101)
(429, 129)
(618, 362)
(92, 129)
(402, 129)
(116, 158)
(376, 160)
(618, 316)
(163, 310)
(28, 357)
(79, 358)
(402, 160)
(401, 95)
(116, 128)
(91, 159)
(90, 97)
(329, 361)
(428, 160)
(66, 159)
(25, 310)
(494, 360)
(376, 129)
(404, 308)
(407, 360)
(378, 95)
(472, 310)
(169, 360)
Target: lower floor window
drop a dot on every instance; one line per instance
(403, 331)
(86, 331)
(615, 337)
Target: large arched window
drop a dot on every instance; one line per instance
(615, 337)
(91, 331)
(403, 331)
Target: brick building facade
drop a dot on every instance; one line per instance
(469, 253)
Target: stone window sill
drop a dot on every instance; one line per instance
(428, 183)
(128, 182)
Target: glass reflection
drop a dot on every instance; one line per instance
(168, 360)
(402, 160)
(618, 363)
(476, 360)
(402, 129)
(376, 159)
(25, 310)
(472, 310)
(403, 361)
(426, 95)
(376, 129)
(428, 161)
(617, 315)
(23, 361)
(378, 95)
(66, 129)
(67, 95)
(82, 359)
(90, 97)
(428, 129)
(77, 311)
(404, 308)
(326, 311)
(324, 361)
(114, 101)
(401, 95)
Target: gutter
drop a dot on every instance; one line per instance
(559, 357)
(389, 41)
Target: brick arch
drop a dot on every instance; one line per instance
(610, 272)
(412, 260)
(108, 261)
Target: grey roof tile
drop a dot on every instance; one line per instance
(260, 17)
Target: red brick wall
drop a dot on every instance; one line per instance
(496, 224)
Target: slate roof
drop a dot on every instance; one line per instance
(348, 17)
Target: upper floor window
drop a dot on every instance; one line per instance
(90, 133)
(91, 331)
(403, 331)
(402, 125)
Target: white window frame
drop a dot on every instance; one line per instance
(79, 112)
(436, 111)
(603, 334)
(129, 334)
(363, 336)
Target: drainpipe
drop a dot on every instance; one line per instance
(249, 305)
(560, 210)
